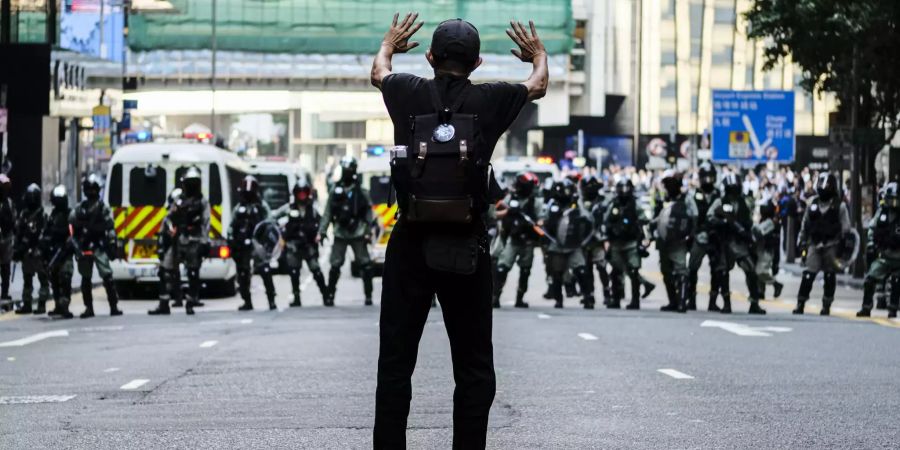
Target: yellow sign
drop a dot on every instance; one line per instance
(102, 125)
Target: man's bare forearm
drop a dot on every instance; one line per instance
(539, 79)
(381, 66)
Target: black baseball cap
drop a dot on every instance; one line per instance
(456, 40)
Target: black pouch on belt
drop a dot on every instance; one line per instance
(449, 253)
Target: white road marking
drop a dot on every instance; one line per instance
(31, 399)
(744, 330)
(544, 316)
(111, 370)
(587, 336)
(35, 338)
(104, 328)
(133, 384)
(246, 321)
(11, 358)
(208, 344)
(675, 374)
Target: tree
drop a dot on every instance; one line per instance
(848, 47)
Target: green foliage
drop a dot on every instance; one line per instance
(849, 47)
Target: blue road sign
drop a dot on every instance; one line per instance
(753, 126)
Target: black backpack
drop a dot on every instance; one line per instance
(445, 177)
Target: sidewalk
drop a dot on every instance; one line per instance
(843, 279)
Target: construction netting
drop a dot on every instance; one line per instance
(337, 26)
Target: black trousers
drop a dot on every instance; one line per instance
(408, 287)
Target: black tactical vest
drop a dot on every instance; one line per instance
(622, 223)
(519, 222)
(824, 226)
(302, 225)
(704, 201)
(347, 206)
(188, 217)
(886, 233)
(246, 217)
(89, 224)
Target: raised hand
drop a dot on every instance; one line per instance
(398, 35)
(529, 44)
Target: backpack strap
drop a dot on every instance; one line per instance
(438, 104)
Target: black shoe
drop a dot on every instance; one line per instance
(189, 308)
(726, 308)
(881, 302)
(87, 314)
(548, 295)
(826, 311)
(25, 309)
(692, 305)
(713, 307)
(777, 290)
(523, 304)
(588, 303)
(64, 315)
(756, 309)
(614, 304)
(178, 304)
(272, 305)
(41, 308)
(865, 312)
(799, 309)
(571, 292)
(671, 307)
(496, 302)
(247, 306)
(115, 312)
(558, 304)
(634, 305)
(648, 288)
(892, 313)
(160, 311)
(368, 301)
(296, 303)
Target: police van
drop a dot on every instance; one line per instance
(139, 179)
(375, 177)
(511, 166)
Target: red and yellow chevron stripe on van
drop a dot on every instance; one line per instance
(138, 222)
(215, 222)
(387, 217)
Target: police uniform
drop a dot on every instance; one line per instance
(884, 238)
(766, 238)
(7, 232)
(594, 202)
(94, 236)
(624, 230)
(824, 223)
(56, 247)
(569, 228)
(702, 199)
(168, 269)
(300, 232)
(29, 225)
(245, 218)
(350, 210)
(730, 220)
(520, 239)
(673, 227)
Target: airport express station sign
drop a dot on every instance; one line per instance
(753, 127)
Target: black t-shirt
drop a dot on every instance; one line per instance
(496, 104)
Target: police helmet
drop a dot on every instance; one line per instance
(192, 182)
(90, 186)
(249, 188)
(302, 192)
(575, 177)
(5, 185)
(525, 184)
(348, 169)
(671, 182)
(59, 198)
(707, 174)
(591, 187)
(564, 191)
(174, 196)
(826, 186)
(732, 185)
(32, 196)
(767, 210)
(624, 187)
(890, 195)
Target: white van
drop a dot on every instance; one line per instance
(508, 168)
(276, 179)
(375, 177)
(139, 179)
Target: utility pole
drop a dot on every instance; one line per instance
(102, 29)
(855, 172)
(638, 23)
(5, 21)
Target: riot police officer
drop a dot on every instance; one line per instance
(624, 223)
(674, 226)
(94, 238)
(569, 228)
(595, 252)
(731, 221)
(168, 270)
(517, 231)
(56, 247)
(702, 198)
(821, 230)
(350, 210)
(246, 217)
(766, 237)
(300, 233)
(7, 231)
(29, 225)
(884, 242)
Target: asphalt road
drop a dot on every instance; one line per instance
(305, 377)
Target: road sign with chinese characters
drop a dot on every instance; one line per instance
(753, 126)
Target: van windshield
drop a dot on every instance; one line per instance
(379, 188)
(275, 190)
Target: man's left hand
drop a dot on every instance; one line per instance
(398, 35)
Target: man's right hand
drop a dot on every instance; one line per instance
(397, 37)
(530, 46)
